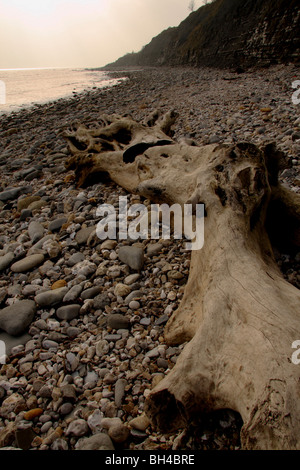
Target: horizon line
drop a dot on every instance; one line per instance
(46, 68)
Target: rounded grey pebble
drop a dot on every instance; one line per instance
(46, 427)
(48, 344)
(68, 312)
(72, 331)
(57, 224)
(66, 408)
(75, 258)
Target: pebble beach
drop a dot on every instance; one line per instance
(82, 319)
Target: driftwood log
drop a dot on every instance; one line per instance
(238, 315)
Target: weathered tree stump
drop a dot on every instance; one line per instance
(238, 314)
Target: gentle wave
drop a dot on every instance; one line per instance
(26, 87)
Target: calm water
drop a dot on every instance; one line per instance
(24, 87)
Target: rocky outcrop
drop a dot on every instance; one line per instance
(227, 33)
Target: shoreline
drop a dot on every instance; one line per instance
(214, 106)
(91, 344)
(78, 89)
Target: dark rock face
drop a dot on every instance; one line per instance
(227, 33)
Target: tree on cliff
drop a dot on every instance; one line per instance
(192, 5)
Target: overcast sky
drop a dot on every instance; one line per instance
(81, 33)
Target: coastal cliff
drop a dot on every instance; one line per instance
(226, 33)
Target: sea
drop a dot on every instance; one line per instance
(21, 88)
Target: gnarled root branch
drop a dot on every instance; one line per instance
(238, 315)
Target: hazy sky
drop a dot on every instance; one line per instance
(81, 33)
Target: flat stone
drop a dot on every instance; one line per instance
(82, 235)
(140, 423)
(72, 362)
(153, 353)
(162, 363)
(17, 317)
(73, 293)
(154, 248)
(133, 256)
(57, 224)
(94, 421)
(25, 202)
(120, 391)
(75, 258)
(44, 392)
(35, 231)
(117, 322)
(33, 175)
(112, 337)
(25, 214)
(134, 305)
(163, 319)
(91, 292)
(107, 423)
(51, 297)
(57, 337)
(91, 379)
(49, 344)
(214, 139)
(9, 194)
(108, 245)
(131, 279)
(28, 263)
(68, 312)
(68, 392)
(99, 441)
(66, 408)
(72, 331)
(134, 295)
(37, 205)
(6, 260)
(101, 300)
